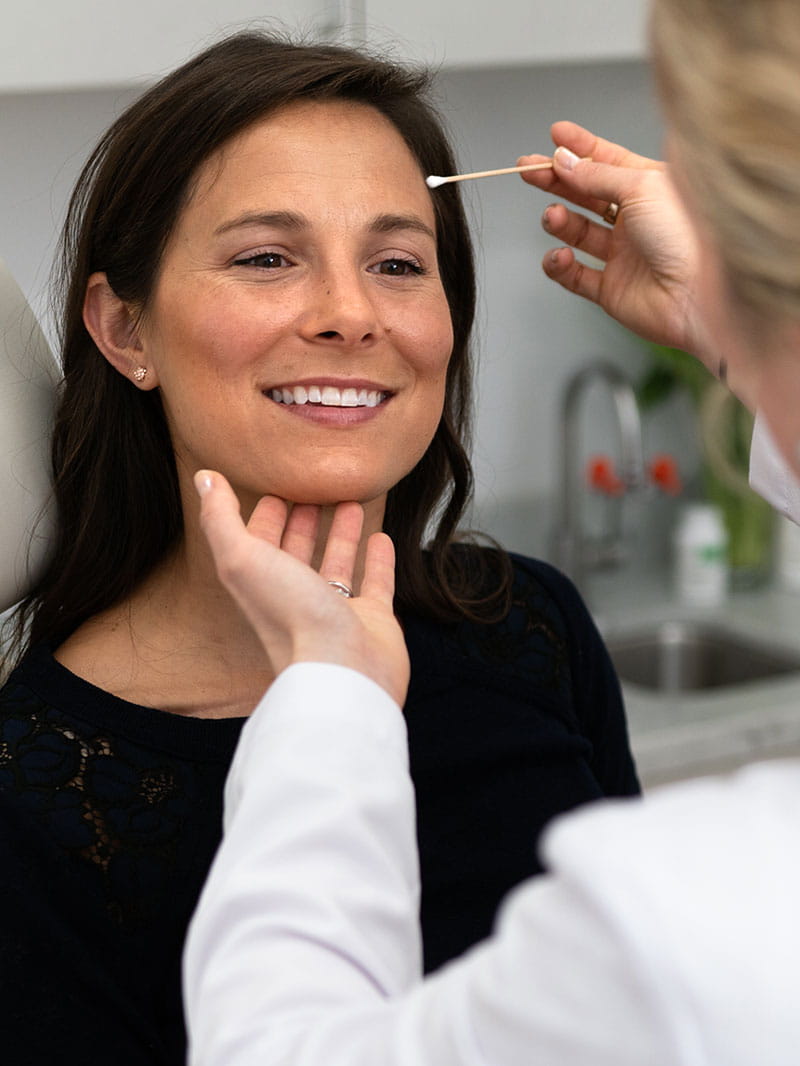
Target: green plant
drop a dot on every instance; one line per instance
(725, 428)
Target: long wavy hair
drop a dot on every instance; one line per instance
(115, 479)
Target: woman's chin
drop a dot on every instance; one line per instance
(343, 493)
(328, 494)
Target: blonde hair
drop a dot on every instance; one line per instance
(729, 76)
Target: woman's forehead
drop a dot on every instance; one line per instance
(339, 145)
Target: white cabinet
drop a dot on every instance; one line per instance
(74, 44)
(71, 44)
(463, 33)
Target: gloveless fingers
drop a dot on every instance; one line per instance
(341, 546)
(379, 580)
(301, 532)
(562, 266)
(577, 230)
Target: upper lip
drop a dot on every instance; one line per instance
(334, 382)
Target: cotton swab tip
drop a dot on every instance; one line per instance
(434, 180)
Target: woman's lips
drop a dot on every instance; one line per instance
(330, 405)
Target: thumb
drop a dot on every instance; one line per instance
(220, 518)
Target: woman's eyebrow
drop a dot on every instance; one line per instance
(276, 219)
(388, 223)
(291, 220)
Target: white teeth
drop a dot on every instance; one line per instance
(327, 396)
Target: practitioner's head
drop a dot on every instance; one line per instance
(729, 74)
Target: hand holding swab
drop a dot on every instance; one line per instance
(434, 181)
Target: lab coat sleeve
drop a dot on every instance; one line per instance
(305, 948)
(311, 905)
(29, 378)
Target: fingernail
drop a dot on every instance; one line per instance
(202, 482)
(546, 219)
(554, 256)
(565, 158)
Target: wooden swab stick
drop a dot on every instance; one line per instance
(434, 181)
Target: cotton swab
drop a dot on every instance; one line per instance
(434, 181)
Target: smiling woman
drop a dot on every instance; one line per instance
(254, 298)
(257, 280)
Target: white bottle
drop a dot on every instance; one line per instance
(701, 556)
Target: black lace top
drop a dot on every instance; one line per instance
(110, 815)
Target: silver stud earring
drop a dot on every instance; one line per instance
(140, 373)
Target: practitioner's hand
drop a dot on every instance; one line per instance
(296, 614)
(651, 254)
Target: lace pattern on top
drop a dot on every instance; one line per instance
(99, 799)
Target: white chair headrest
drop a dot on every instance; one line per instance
(29, 377)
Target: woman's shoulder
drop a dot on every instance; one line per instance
(534, 584)
(16, 690)
(530, 572)
(532, 637)
(544, 607)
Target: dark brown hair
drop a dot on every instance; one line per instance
(115, 479)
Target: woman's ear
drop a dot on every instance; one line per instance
(113, 329)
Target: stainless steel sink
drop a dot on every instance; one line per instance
(688, 656)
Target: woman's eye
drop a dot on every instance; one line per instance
(266, 260)
(398, 268)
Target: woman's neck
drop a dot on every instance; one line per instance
(179, 642)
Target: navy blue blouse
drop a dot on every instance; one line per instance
(110, 814)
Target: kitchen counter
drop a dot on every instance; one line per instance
(680, 735)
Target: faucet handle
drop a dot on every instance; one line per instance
(602, 477)
(663, 472)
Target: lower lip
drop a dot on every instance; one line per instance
(331, 416)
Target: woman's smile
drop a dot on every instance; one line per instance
(332, 403)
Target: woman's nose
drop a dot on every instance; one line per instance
(341, 312)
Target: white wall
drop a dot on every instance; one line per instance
(532, 335)
(45, 137)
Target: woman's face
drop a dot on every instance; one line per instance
(299, 330)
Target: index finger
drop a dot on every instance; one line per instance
(587, 146)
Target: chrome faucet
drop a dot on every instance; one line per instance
(577, 552)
